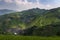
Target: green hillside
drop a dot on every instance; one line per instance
(50, 17)
(21, 19)
(30, 18)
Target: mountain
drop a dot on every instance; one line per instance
(51, 16)
(28, 20)
(20, 20)
(5, 11)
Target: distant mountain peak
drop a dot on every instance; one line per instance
(5, 11)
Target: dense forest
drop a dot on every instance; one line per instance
(32, 22)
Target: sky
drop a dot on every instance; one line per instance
(20, 5)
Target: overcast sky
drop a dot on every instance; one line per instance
(20, 5)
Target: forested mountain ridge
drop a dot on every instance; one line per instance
(29, 19)
(21, 18)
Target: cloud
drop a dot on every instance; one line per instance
(28, 5)
(8, 1)
(25, 4)
(38, 4)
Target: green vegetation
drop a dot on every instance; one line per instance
(9, 37)
(38, 22)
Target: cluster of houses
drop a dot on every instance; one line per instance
(19, 31)
(15, 31)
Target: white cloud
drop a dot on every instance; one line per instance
(8, 1)
(57, 3)
(23, 5)
(28, 5)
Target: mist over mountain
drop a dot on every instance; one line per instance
(5, 11)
